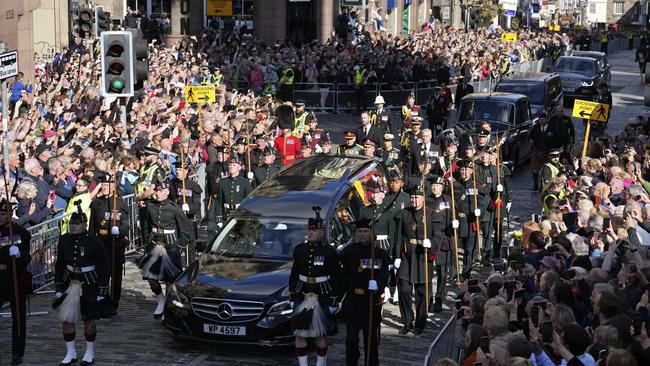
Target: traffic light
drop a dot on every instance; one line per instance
(473, 18)
(117, 64)
(85, 22)
(102, 20)
(140, 57)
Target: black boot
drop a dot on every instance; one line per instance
(407, 328)
(536, 182)
(437, 305)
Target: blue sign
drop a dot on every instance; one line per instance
(510, 13)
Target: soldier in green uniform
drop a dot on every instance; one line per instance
(150, 172)
(414, 269)
(501, 203)
(231, 192)
(410, 137)
(449, 155)
(363, 277)
(186, 193)
(268, 168)
(109, 221)
(486, 178)
(350, 147)
(388, 153)
(396, 200)
(441, 244)
(466, 213)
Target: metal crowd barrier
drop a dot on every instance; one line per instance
(346, 99)
(43, 249)
(45, 240)
(321, 96)
(444, 345)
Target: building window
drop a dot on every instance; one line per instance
(618, 7)
(592, 8)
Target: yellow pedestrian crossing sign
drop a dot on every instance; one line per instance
(509, 37)
(200, 94)
(590, 110)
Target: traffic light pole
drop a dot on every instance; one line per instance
(5, 125)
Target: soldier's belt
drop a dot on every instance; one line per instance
(415, 241)
(382, 237)
(3, 267)
(313, 280)
(231, 206)
(80, 269)
(461, 215)
(103, 232)
(359, 291)
(156, 230)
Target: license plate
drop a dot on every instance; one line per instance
(226, 330)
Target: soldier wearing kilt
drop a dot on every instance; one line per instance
(14, 250)
(314, 288)
(170, 232)
(109, 221)
(486, 179)
(81, 276)
(363, 277)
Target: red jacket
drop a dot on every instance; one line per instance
(289, 150)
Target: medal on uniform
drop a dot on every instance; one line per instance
(82, 250)
(462, 198)
(402, 205)
(319, 260)
(414, 227)
(489, 180)
(237, 188)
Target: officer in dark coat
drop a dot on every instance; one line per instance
(14, 248)
(231, 191)
(171, 232)
(109, 221)
(81, 276)
(314, 284)
(388, 153)
(363, 278)
(411, 264)
(441, 247)
(501, 202)
(486, 179)
(395, 201)
(267, 168)
(466, 212)
(446, 161)
(215, 172)
(437, 111)
(186, 193)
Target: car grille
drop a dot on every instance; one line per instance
(227, 310)
(571, 84)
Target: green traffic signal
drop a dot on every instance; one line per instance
(117, 85)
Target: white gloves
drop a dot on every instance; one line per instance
(334, 309)
(499, 188)
(291, 304)
(508, 205)
(455, 224)
(58, 295)
(220, 224)
(14, 251)
(186, 207)
(477, 212)
(397, 263)
(100, 298)
(426, 243)
(115, 230)
(318, 149)
(250, 175)
(372, 285)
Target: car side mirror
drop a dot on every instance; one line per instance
(535, 120)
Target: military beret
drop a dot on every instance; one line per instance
(363, 223)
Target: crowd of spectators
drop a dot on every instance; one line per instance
(575, 287)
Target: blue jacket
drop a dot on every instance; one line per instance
(15, 90)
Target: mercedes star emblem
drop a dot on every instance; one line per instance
(224, 311)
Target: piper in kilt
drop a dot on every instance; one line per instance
(81, 276)
(170, 231)
(314, 289)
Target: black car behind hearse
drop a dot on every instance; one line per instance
(237, 291)
(509, 114)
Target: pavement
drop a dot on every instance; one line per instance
(133, 337)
